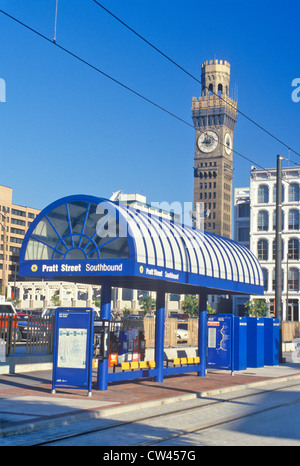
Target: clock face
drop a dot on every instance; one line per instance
(208, 141)
(228, 143)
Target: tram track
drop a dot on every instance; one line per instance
(176, 412)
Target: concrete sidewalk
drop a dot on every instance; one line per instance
(27, 405)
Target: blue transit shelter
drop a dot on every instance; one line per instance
(98, 241)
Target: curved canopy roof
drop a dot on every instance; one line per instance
(86, 238)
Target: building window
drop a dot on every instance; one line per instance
(293, 220)
(263, 194)
(244, 210)
(17, 231)
(293, 279)
(263, 250)
(293, 249)
(294, 192)
(16, 221)
(266, 279)
(244, 234)
(263, 221)
(293, 310)
(21, 213)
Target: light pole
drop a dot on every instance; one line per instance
(278, 253)
(3, 224)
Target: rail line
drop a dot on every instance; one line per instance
(185, 431)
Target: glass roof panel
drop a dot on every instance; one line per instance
(45, 233)
(38, 251)
(77, 212)
(59, 219)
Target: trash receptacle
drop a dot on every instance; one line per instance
(255, 342)
(240, 343)
(271, 342)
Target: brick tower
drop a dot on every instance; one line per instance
(214, 116)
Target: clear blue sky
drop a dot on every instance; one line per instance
(65, 129)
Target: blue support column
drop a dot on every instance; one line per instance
(202, 343)
(160, 335)
(102, 381)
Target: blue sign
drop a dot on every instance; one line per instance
(73, 348)
(219, 342)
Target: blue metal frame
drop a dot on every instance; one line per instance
(205, 262)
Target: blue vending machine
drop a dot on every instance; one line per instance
(240, 343)
(272, 342)
(255, 342)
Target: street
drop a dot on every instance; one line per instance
(264, 416)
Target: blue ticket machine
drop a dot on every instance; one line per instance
(272, 342)
(240, 343)
(123, 346)
(255, 342)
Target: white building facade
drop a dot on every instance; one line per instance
(241, 232)
(262, 235)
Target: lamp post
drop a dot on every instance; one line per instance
(3, 224)
(278, 253)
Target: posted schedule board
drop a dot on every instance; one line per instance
(219, 348)
(73, 348)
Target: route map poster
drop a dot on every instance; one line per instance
(219, 351)
(72, 348)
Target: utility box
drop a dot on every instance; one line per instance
(240, 343)
(255, 342)
(272, 342)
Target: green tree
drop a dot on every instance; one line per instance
(127, 311)
(210, 310)
(55, 300)
(147, 304)
(256, 308)
(190, 305)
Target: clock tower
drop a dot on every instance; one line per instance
(214, 116)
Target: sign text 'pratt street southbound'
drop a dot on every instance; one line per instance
(56, 268)
(62, 268)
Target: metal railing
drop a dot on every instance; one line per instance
(35, 334)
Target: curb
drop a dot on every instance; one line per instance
(106, 412)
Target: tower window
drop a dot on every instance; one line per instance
(220, 89)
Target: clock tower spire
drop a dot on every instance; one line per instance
(214, 116)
